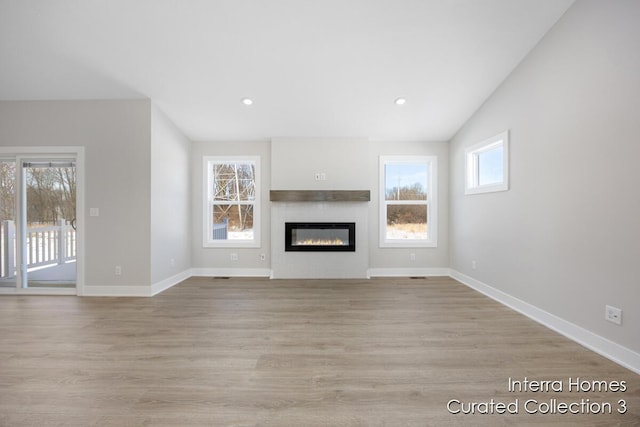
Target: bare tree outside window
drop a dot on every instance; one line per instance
(408, 212)
(7, 219)
(232, 200)
(7, 190)
(405, 189)
(51, 194)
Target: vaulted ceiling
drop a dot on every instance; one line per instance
(317, 68)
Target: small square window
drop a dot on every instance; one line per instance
(487, 165)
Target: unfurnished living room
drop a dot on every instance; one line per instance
(319, 213)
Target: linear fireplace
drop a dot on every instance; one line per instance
(320, 236)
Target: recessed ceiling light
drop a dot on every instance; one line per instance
(400, 101)
(247, 101)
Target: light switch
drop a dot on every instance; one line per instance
(94, 212)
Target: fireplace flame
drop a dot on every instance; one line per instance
(320, 242)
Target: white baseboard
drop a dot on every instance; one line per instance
(136, 291)
(169, 282)
(163, 285)
(231, 272)
(117, 291)
(615, 352)
(407, 272)
(38, 291)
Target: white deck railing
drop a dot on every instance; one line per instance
(45, 245)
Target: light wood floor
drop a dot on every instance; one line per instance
(254, 352)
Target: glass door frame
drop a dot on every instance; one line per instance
(20, 155)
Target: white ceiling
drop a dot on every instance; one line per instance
(317, 68)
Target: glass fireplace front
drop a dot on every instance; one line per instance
(320, 236)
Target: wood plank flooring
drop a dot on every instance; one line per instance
(257, 352)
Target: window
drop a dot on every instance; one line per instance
(408, 202)
(232, 196)
(487, 165)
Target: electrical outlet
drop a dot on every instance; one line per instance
(412, 256)
(613, 314)
(118, 270)
(233, 256)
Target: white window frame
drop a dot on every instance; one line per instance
(472, 171)
(208, 241)
(432, 202)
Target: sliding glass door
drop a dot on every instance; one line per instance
(38, 222)
(49, 237)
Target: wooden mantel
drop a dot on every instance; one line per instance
(320, 195)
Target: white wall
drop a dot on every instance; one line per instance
(295, 161)
(116, 135)
(565, 237)
(170, 199)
